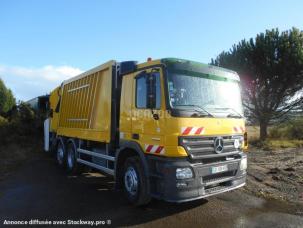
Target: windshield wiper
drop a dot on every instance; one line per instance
(201, 111)
(233, 114)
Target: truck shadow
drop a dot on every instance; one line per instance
(106, 203)
(42, 190)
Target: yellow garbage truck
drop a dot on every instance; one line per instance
(170, 129)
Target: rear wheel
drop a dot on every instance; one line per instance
(61, 153)
(71, 161)
(135, 182)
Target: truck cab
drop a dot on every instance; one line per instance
(187, 118)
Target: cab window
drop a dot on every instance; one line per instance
(141, 90)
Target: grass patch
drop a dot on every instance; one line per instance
(272, 144)
(286, 143)
(288, 134)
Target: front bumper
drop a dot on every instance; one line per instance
(164, 184)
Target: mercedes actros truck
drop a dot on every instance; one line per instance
(171, 129)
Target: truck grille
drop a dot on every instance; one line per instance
(203, 147)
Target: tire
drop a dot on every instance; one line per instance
(73, 167)
(61, 153)
(135, 182)
(53, 144)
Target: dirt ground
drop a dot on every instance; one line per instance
(33, 187)
(276, 174)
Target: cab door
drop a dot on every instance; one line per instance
(148, 119)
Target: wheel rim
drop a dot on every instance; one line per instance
(70, 158)
(60, 155)
(131, 181)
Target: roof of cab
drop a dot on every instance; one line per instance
(183, 64)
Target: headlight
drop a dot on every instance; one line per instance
(184, 173)
(243, 164)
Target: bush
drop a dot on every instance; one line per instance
(3, 121)
(23, 125)
(7, 99)
(264, 144)
(292, 129)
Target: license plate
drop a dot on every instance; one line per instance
(219, 169)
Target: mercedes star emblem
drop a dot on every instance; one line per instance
(218, 145)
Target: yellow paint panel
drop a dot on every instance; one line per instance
(82, 134)
(126, 104)
(85, 110)
(211, 126)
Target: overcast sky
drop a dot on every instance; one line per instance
(45, 42)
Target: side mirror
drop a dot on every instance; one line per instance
(151, 91)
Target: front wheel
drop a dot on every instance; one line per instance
(61, 153)
(135, 182)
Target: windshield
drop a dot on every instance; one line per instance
(214, 95)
